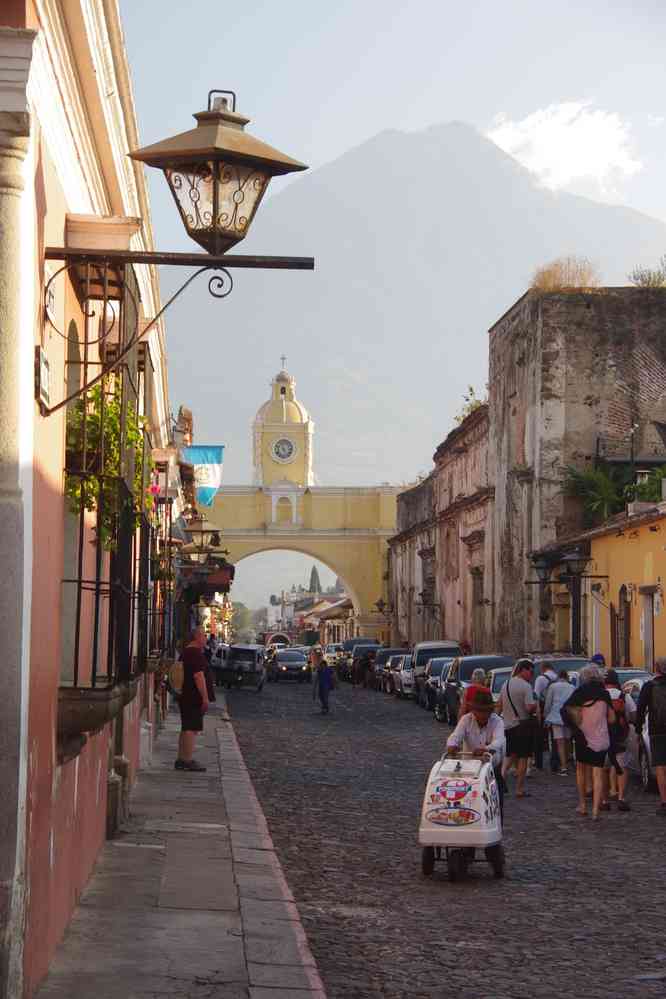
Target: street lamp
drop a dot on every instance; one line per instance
(217, 173)
(204, 539)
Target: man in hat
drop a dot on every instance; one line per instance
(481, 731)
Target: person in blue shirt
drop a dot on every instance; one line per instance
(324, 679)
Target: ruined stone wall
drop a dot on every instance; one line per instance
(568, 372)
(462, 503)
(412, 566)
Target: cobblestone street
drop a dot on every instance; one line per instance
(580, 912)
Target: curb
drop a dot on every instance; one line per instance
(246, 819)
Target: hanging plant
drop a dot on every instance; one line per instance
(94, 486)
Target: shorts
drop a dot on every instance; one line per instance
(590, 757)
(519, 743)
(561, 732)
(191, 717)
(658, 750)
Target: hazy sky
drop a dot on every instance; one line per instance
(575, 91)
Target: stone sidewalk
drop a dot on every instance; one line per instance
(190, 900)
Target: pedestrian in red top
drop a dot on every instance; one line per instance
(478, 679)
(193, 700)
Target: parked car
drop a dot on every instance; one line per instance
(245, 666)
(391, 670)
(496, 678)
(403, 676)
(425, 651)
(292, 665)
(435, 675)
(347, 654)
(459, 677)
(331, 652)
(560, 660)
(382, 657)
(639, 760)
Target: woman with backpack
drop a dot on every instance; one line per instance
(625, 712)
(590, 713)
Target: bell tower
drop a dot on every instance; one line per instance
(282, 435)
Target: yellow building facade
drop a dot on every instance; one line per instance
(624, 613)
(346, 528)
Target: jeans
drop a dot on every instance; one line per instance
(323, 697)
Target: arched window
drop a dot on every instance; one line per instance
(283, 511)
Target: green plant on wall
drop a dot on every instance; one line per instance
(601, 491)
(648, 491)
(100, 485)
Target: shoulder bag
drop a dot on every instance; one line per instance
(526, 726)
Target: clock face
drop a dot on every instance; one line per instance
(284, 449)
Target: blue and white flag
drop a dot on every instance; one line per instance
(207, 461)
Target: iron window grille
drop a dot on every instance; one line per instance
(107, 469)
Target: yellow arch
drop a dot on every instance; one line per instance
(345, 528)
(302, 550)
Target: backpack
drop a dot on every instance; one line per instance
(621, 725)
(175, 678)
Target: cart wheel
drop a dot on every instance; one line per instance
(456, 864)
(495, 857)
(428, 861)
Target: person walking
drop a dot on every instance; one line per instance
(546, 677)
(324, 680)
(477, 682)
(557, 694)
(616, 778)
(590, 712)
(517, 706)
(652, 704)
(193, 701)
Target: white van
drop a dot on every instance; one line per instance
(423, 652)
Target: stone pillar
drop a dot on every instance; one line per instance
(15, 57)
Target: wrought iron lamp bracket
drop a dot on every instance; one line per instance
(106, 269)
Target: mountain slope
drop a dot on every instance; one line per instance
(421, 241)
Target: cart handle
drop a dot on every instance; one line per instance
(459, 755)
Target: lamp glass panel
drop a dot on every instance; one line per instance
(192, 187)
(240, 189)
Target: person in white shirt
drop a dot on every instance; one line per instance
(546, 677)
(557, 694)
(481, 731)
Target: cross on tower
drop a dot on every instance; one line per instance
(283, 358)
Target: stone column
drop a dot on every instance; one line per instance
(15, 57)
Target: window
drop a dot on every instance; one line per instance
(107, 526)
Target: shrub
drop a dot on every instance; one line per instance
(649, 277)
(470, 402)
(566, 274)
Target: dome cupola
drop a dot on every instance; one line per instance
(283, 436)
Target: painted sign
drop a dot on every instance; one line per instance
(447, 816)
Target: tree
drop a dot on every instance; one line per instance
(566, 274)
(649, 277)
(241, 622)
(315, 583)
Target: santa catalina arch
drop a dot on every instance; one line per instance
(346, 528)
